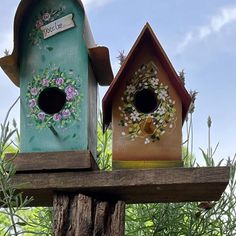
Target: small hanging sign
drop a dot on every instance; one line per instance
(58, 26)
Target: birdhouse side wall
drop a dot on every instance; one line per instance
(139, 146)
(59, 62)
(92, 104)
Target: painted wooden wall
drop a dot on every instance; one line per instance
(142, 152)
(60, 61)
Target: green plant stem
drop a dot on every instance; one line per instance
(7, 197)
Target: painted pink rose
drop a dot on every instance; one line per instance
(32, 103)
(57, 117)
(34, 91)
(66, 113)
(59, 81)
(41, 116)
(70, 97)
(46, 16)
(45, 82)
(39, 24)
(71, 93)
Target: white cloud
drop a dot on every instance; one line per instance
(226, 16)
(188, 38)
(95, 3)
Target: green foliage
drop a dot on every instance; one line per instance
(39, 221)
(104, 145)
(11, 201)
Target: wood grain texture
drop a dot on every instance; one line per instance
(117, 226)
(101, 218)
(60, 216)
(130, 186)
(52, 161)
(81, 215)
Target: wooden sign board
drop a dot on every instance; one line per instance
(58, 26)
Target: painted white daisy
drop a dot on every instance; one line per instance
(135, 116)
(147, 141)
(154, 81)
(162, 94)
(161, 111)
(130, 88)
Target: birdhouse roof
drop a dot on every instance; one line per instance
(99, 55)
(147, 37)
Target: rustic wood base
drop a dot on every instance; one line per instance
(54, 161)
(130, 186)
(80, 215)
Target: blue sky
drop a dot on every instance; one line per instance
(198, 36)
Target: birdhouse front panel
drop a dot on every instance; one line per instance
(146, 115)
(54, 78)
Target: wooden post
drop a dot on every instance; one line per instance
(80, 215)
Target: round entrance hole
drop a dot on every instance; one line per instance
(146, 101)
(51, 100)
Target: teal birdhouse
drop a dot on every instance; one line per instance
(57, 66)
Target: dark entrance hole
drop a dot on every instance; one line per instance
(51, 100)
(146, 101)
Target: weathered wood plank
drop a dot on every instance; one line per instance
(130, 186)
(81, 215)
(61, 213)
(54, 161)
(101, 218)
(117, 226)
(84, 219)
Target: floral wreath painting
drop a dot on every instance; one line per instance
(147, 110)
(53, 81)
(45, 17)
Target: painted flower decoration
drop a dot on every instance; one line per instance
(135, 116)
(45, 82)
(45, 17)
(34, 91)
(32, 103)
(71, 93)
(64, 82)
(149, 126)
(59, 81)
(41, 116)
(162, 94)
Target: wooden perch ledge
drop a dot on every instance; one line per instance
(130, 186)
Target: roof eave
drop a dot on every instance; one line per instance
(177, 83)
(100, 60)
